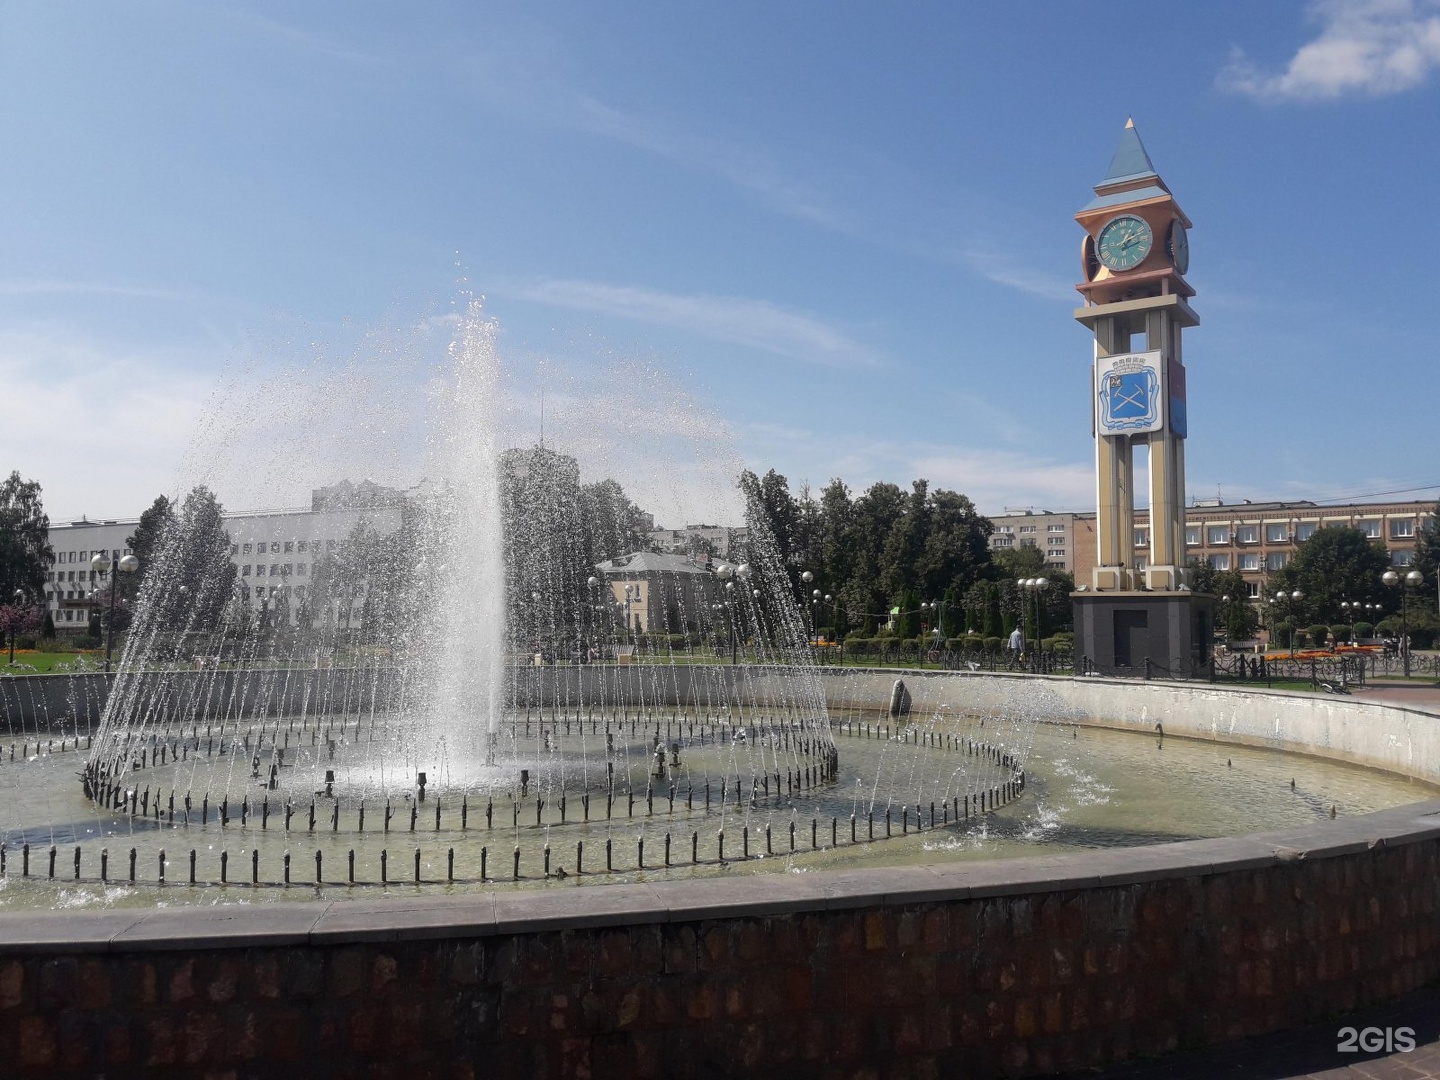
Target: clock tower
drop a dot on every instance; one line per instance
(1137, 612)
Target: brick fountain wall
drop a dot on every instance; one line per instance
(993, 969)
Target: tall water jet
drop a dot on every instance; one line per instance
(463, 716)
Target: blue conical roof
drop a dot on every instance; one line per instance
(1130, 162)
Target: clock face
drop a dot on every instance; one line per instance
(1125, 242)
(1179, 245)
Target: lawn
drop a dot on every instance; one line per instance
(30, 662)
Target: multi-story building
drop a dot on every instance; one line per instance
(720, 540)
(274, 551)
(1066, 539)
(665, 593)
(1256, 538)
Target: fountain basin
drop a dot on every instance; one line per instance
(1010, 967)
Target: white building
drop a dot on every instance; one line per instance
(274, 551)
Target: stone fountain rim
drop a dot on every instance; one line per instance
(486, 913)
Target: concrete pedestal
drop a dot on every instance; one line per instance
(1144, 634)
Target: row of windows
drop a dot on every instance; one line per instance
(1275, 560)
(276, 570)
(275, 547)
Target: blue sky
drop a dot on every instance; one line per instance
(847, 228)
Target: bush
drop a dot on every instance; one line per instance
(954, 644)
(861, 645)
(1318, 634)
(25, 641)
(1339, 634)
(1364, 630)
(974, 642)
(994, 644)
(1301, 638)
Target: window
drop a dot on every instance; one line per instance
(274, 569)
(234, 549)
(289, 545)
(1305, 530)
(286, 570)
(245, 570)
(1005, 528)
(1056, 528)
(1370, 528)
(1027, 528)
(1220, 562)
(1217, 535)
(1402, 557)
(302, 545)
(1027, 541)
(1252, 590)
(1142, 538)
(1402, 529)
(1141, 562)
(1250, 561)
(1247, 534)
(1276, 559)
(1055, 553)
(245, 550)
(300, 569)
(1277, 533)
(275, 547)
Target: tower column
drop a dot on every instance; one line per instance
(1115, 481)
(1135, 255)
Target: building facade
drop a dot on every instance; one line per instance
(1255, 538)
(698, 540)
(656, 593)
(274, 551)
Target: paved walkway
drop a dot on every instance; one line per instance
(1409, 695)
(1310, 1053)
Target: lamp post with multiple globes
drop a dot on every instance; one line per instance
(1411, 579)
(1035, 587)
(102, 564)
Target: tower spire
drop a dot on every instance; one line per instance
(1130, 162)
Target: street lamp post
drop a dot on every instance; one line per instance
(101, 564)
(1414, 577)
(1035, 587)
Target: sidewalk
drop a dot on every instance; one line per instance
(1310, 1052)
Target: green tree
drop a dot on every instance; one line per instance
(1427, 558)
(1336, 563)
(613, 524)
(1202, 576)
(1233, 610)
(873, 516)
(905, 543)
(1019, 562)
(25, 552)
(145, 543)
(956, 550)
(200, 578)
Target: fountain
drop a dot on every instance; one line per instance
(493, 730)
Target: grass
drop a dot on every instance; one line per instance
(29, 662)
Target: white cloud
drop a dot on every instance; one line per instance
(1366, 48)
(756, 323)
(103, 433)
